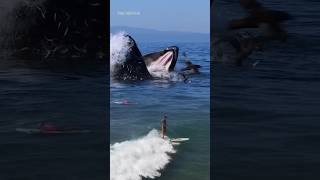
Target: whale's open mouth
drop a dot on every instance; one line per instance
(161, 63)
(163, 60)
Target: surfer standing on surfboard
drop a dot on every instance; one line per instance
(163, 125)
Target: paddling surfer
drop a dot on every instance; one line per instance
(163, 125)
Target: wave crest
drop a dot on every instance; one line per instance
(140, 158)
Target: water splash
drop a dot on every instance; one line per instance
(118, 49)
(140, 158)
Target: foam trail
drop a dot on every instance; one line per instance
(118, 48)
(140, 158)
(168, 76)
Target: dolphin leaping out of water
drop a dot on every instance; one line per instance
(135, 66)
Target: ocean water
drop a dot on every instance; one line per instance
(265, 117)
(70, 100)
(137, 150)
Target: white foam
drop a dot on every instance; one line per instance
(140, 158)
(172, 76)
(118, 48)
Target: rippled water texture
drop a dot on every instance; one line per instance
(186, 105)
(265, 118)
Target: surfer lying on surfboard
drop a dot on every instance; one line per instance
(51, 128)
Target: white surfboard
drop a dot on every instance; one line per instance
(175, 143)
(28, 131)
(179, 139)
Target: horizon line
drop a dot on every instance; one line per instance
(204, 33)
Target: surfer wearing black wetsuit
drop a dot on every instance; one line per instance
(164, 126)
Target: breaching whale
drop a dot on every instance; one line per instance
(136, 66)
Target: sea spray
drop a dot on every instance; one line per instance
(140, 158)
(157, 72)
(118, 48)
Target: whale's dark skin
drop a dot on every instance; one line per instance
(135, 66)
(58, 32)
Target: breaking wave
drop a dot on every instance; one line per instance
(140, 158)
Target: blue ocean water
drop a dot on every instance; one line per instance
(265, 118)
(187, 105)
(69, 100)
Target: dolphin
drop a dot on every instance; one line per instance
(136, 66)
